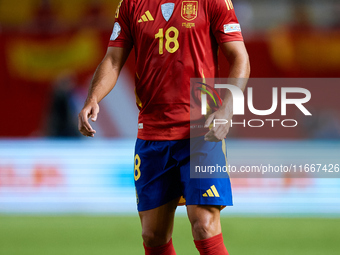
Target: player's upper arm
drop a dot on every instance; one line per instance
(223, 21)
(117, 56)
(121, 35)
(237, 56)
(233, 50)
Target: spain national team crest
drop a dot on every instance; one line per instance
(189, 10)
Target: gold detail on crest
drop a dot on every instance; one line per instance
(188, 25)
(189, 10)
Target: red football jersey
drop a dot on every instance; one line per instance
(174, 41)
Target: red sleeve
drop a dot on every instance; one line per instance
(121, 35)
(223, 21)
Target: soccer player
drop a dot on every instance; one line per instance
(174, 40)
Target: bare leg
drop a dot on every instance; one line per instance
(158, 223)
(205, 221)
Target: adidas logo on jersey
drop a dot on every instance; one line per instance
(212, 192)
(146, 17)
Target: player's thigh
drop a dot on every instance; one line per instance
(157, 178)
(205, 188)
(157, 223)
(205, 220)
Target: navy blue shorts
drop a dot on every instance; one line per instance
(162, 173)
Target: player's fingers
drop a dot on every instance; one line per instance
(210, 136)
(217, 133)
(85, 123)
(221, 132)
(207, 136)
(83, 130)
(211, 139)
(209, 120)
(94, 113)
(84, 126)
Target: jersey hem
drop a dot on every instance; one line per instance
(171, 137)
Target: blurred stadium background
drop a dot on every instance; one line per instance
(61, 193)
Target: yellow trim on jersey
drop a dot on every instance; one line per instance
(224, 150)
(138, 101)
(117, 10)
(182, 201)
(203, 86)
(209, 110)
(203, 77)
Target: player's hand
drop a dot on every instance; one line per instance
(220, 131)
(90, 110)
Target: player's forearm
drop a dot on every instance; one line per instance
(238, 58)
(239, 68)
(106, 75)
(238, 75)
(103, 80)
